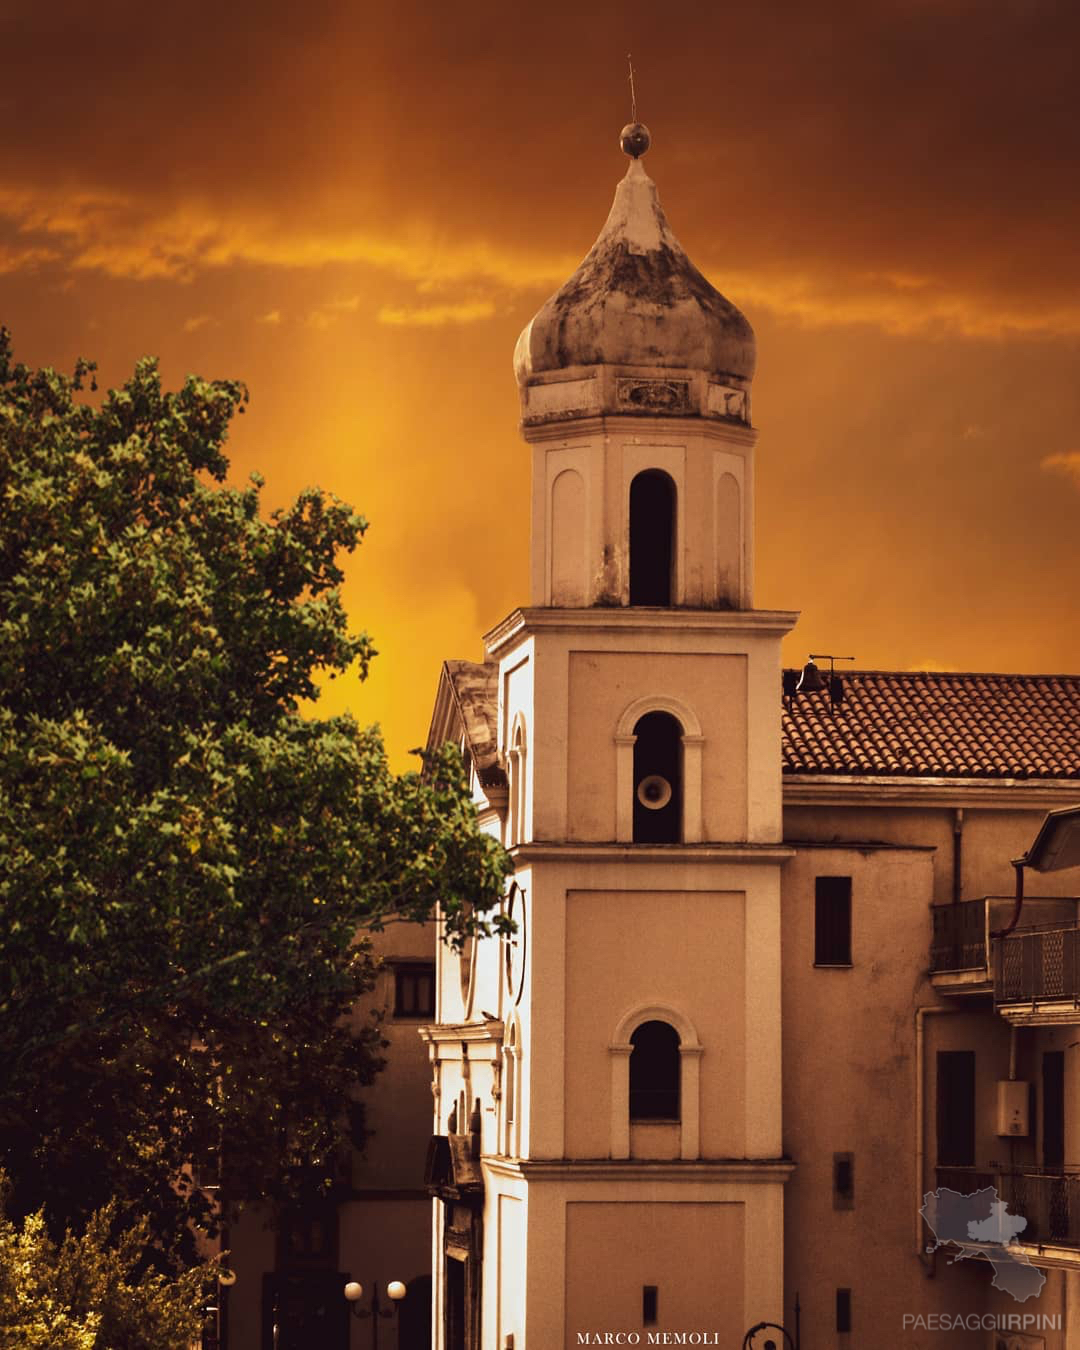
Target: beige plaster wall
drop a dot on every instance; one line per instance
(849, 1086)
(509, 1212)
(692, 1252)
(626, 949)
(580, 538)
(991, 839)
(398, 1104)
(604, 684)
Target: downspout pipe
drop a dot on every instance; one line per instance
(958, 855)
(1019, 864)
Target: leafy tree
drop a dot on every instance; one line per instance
(92, 1292)
(185, 860)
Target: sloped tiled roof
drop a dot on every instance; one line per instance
(476, 692)
(929, 724)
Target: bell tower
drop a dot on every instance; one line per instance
(658, 509)
(631, 1151)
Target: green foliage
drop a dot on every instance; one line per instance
(92, 1292)
(186, 861)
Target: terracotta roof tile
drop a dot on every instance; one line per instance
(938, 725)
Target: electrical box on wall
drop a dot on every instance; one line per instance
(1012, 1107)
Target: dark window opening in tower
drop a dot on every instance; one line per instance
(454, 1309)
(652, 538)
(654, 1072)
(658, 780)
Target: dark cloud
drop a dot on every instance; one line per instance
(888, 189)
(931, 142)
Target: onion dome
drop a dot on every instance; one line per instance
(637, 324)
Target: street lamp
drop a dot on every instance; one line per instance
(769, 1344)
(354, 1292)
(212, 1334)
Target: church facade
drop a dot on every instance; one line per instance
(771, 985)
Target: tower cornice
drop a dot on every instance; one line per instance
(579, 425)
(630, 620)
(537, 851)
(713, 1170)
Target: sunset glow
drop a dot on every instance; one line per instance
(356, 209)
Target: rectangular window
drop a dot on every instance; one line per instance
(956, 1108)
(843, 1181)
(414, 990)
(308, 1237)
(1053, 1113)
(206, 1170)
(832, 921)
(650, 1300)
(843, 1310)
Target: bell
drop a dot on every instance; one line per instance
(810, 682)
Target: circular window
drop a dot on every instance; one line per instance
(514, 945)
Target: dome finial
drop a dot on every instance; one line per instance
(635, 137)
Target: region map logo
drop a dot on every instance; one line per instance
(979, 1226)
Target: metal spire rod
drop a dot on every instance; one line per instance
(633, 96)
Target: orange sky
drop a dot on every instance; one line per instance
(355, 208)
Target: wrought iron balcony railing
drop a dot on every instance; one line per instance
(1037, 961)
(960, 940)
(1038, 966)
(966, 1180)
(1047, 1197)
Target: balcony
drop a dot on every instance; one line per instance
(1048, 1197)
(1017, 969)
(1037, 975)
(960, 947)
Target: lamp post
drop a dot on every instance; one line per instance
(770, 1343)
(354, 1292)
(212, 1336)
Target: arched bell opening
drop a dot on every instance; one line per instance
(510, 1089)
(658, 793)
(517, 782)
(652, 538)
(655, 1070)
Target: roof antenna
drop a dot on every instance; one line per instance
(811, 681)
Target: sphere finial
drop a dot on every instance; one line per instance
(635, 139)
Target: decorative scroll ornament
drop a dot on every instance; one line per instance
(651, 396)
